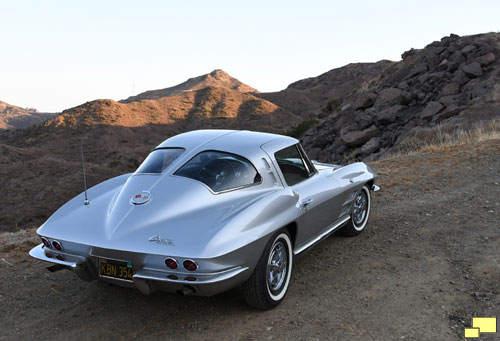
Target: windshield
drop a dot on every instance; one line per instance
(158, 160)
(220, 171)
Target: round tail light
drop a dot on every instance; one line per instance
(60, 257)
(171, 263)
(46, 242)
(57, 245)
(48, 254)
(190, 265)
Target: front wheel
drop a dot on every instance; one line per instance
(360, 213)
(267, 286)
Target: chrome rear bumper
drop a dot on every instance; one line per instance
(148, 280)
(79, 265)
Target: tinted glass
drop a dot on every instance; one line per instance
(220, 171)
(291, 165)
(159, 160)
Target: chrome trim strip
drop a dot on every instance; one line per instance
(326, 164)
(213, 277)
(38, 253)
(321, 236)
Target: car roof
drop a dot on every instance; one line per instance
(241, 142)
(193, 139)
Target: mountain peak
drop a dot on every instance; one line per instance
(216, 78)
(219, 73)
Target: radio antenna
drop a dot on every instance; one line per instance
(86, 202)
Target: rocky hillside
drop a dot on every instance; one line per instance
(14, 117)
(117, 136)
(450, 84)
(216, 78)
(361, 111)
(309, 96)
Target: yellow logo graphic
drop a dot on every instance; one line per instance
(481, 325)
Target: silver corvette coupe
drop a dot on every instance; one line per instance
(207, 211)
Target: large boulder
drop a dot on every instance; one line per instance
(448, 100)
(451, 89)
(475, 88)
(409, 53)
(430, 110)
(403, 85)
(388, 115)
(457, 57)
(444, 65)
(357, 138)
(468, 49)
(460, 77)
(473, 69)
(371, 146)
(364, 120)
(365, 100)
(486, 59)
(452, 110)
(389, 95)
(431, 59)
(417, 69)
(438, 49)
(484, 48)
(351, 126)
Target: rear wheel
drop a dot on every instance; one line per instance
(360, 213)
(268, 285)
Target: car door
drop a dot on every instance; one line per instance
(307, 185)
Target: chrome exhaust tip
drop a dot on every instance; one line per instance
(187, 290)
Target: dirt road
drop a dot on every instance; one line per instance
(428, 262)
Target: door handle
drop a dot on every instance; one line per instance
(307, 202)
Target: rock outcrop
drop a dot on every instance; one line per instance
(453, 82)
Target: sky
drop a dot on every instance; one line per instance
(58, 54)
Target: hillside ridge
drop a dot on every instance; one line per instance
(218, 78)
(14, 117)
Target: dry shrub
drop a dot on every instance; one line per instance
(439, 137)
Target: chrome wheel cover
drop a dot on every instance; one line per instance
(359, 212)
(277, 266)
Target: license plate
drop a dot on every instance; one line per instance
(115, 269)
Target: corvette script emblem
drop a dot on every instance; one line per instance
(160, 240)
(141, 198)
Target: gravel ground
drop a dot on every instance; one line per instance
(428, 262)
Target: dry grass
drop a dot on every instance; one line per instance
(443, 136)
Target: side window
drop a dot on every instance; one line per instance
(291, 164)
